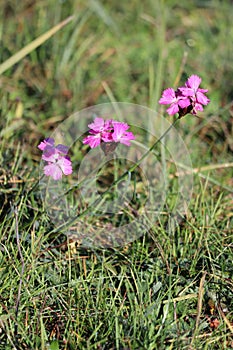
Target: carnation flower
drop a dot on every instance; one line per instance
(196, 95)
(175, 99)
(108, 131)
(186, 99)
(58, 162)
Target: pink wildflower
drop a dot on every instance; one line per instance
(108, 131)
(175, 99)
(191, 90)
(58, 162)
(186, 99)
(57, 167)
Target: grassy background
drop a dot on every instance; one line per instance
(162, 291)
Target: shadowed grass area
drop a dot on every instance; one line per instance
(172, 287)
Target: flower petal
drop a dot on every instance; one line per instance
(47, 142)
(92, 140)
(193, 82)
(53, 170)
(168, 97)
(184, 102)
(201, 98)
(126, 138)
(65, 165)
(173, 109)
(62, 149)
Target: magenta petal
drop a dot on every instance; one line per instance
(126, 138)
(168, 97)
(193, 82)
(119, 130)
(197, 107)
(185, 91)
(203, 90)
(183, 103)
(100, 125)
(49, 150)
(201, 98)
(173, 109)
(97, 124)
(92, 140)
(52, 158)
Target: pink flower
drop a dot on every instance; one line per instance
(186, 99)
(197, 95)
(107, 131)
(100, 129)
(175, 99)
(58, 162)
(57, 167)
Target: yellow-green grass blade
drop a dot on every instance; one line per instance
(33, 45)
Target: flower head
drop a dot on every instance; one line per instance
(175, 99)
(108, 131)
(186, 99)
(60, 166)
(58, 162)
(196, 95)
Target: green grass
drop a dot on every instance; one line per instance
(166, 289)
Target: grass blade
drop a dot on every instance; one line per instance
(33, 45)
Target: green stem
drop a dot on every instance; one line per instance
(130, 170)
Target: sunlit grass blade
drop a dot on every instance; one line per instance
(33, 45)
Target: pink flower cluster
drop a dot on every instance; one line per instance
(108, 131)
(58, 162)
(186, 99)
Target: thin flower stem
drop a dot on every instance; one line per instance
(22, 270)
(130, 170)
(133, 167)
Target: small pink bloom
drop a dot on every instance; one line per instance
(191, 89)
(107, 131)
(59, 166)
(186, 99)
(58, 162)
(175, 99)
